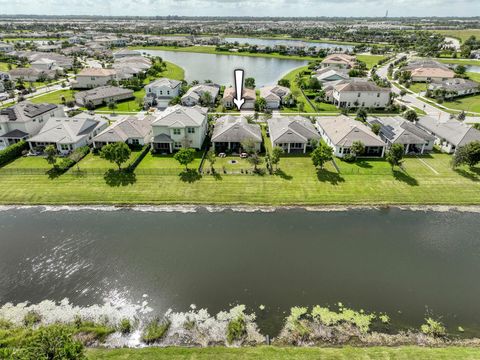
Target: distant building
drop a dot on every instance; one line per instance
(355, 93)
(428, 71)
(125, 53)
(340, 61)
(31, 74)
(328, 74)
(274, 95)
(456, 87)
(6, 47)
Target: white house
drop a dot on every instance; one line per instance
(357, 93)
(397, 130)
(25, 119)
(93, 77)
(132, 130)
(6, 47)
(340, 132)
(449, 135)
(179, 126)
(230, 131)
(274, 95)
(292, 133)
(248, 94)
(329, 73)
(45, 65)
(426, 70)
(193, 95)
(161, 91)
(68, 133)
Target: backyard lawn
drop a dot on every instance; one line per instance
(460, 34)
(370, 60)
(4, 66)
(466, 103)
(94, 161)
(54, 97)
(160, 179)
(418, 87)
(290, 353)
(297, 92)
(28, 162)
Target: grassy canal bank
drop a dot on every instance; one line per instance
(160, 180)
(290, 353)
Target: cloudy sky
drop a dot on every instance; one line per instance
(244, 7)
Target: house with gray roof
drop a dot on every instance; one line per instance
(456, 87)
(161, 91)
(125, 53)
(31, 74)
(179, 126)
(449, 135)
(132, 130)
(68, 133)
(231, 131)
(356, 92)
(102, 95)
(193, 95)
(340, 132)
(328, 74)
(25, 119)
(274, 95)
(292, 133)
(397, 130)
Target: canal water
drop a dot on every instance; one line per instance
(402, 262)
(219, 68)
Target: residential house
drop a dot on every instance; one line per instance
(132, 130)
(45, 65)
(68, 133)
(292, 133)
(397, 130)
(248, 94)
(231, 131)
(194, 94)
(274, 95)
(102, 95)
(428, 71)
(161, 91)
(339, 61)
(355, 93)
(125, 53)
(449, 135)
(6, 47)
(327, 74)
(179, 126)
(25, 119)
(340, 132)
(128, 67)
(456, 87)
(31, 74)
(93, 77)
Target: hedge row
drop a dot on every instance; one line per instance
(12, 152)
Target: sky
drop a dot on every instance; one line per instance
(353, 8)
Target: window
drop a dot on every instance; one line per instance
(177, 145)
(358, 94)
(168, 92)
(65, 146)
(177, 132)
(191, 130)
(92, 78)
(378, 94)
(135, 142)
(161, 92)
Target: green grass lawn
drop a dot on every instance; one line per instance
(290, 353)
(28, 162)
(466, 103)
(211, 50)
(157, 161)
(462, 35)
(459, 61)
(4, 66)
(227, 165)
(297, 183)
(54, 97)
(474, 76)
(297, 92)
(418, 87)
(370, 60)
(94, 161)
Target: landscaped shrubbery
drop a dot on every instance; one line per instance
(12, 152)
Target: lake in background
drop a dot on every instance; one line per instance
(219, 68)
(401, 262)
(287, 42)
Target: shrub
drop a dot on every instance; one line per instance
(155, 330)
(125, 326)
(31, 318)
(54, 342)
(350, 158)
(433, 328)
(237, 329)
(12, 152)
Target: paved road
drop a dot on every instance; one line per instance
(41, 91)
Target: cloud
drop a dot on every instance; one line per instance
(242, 7)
